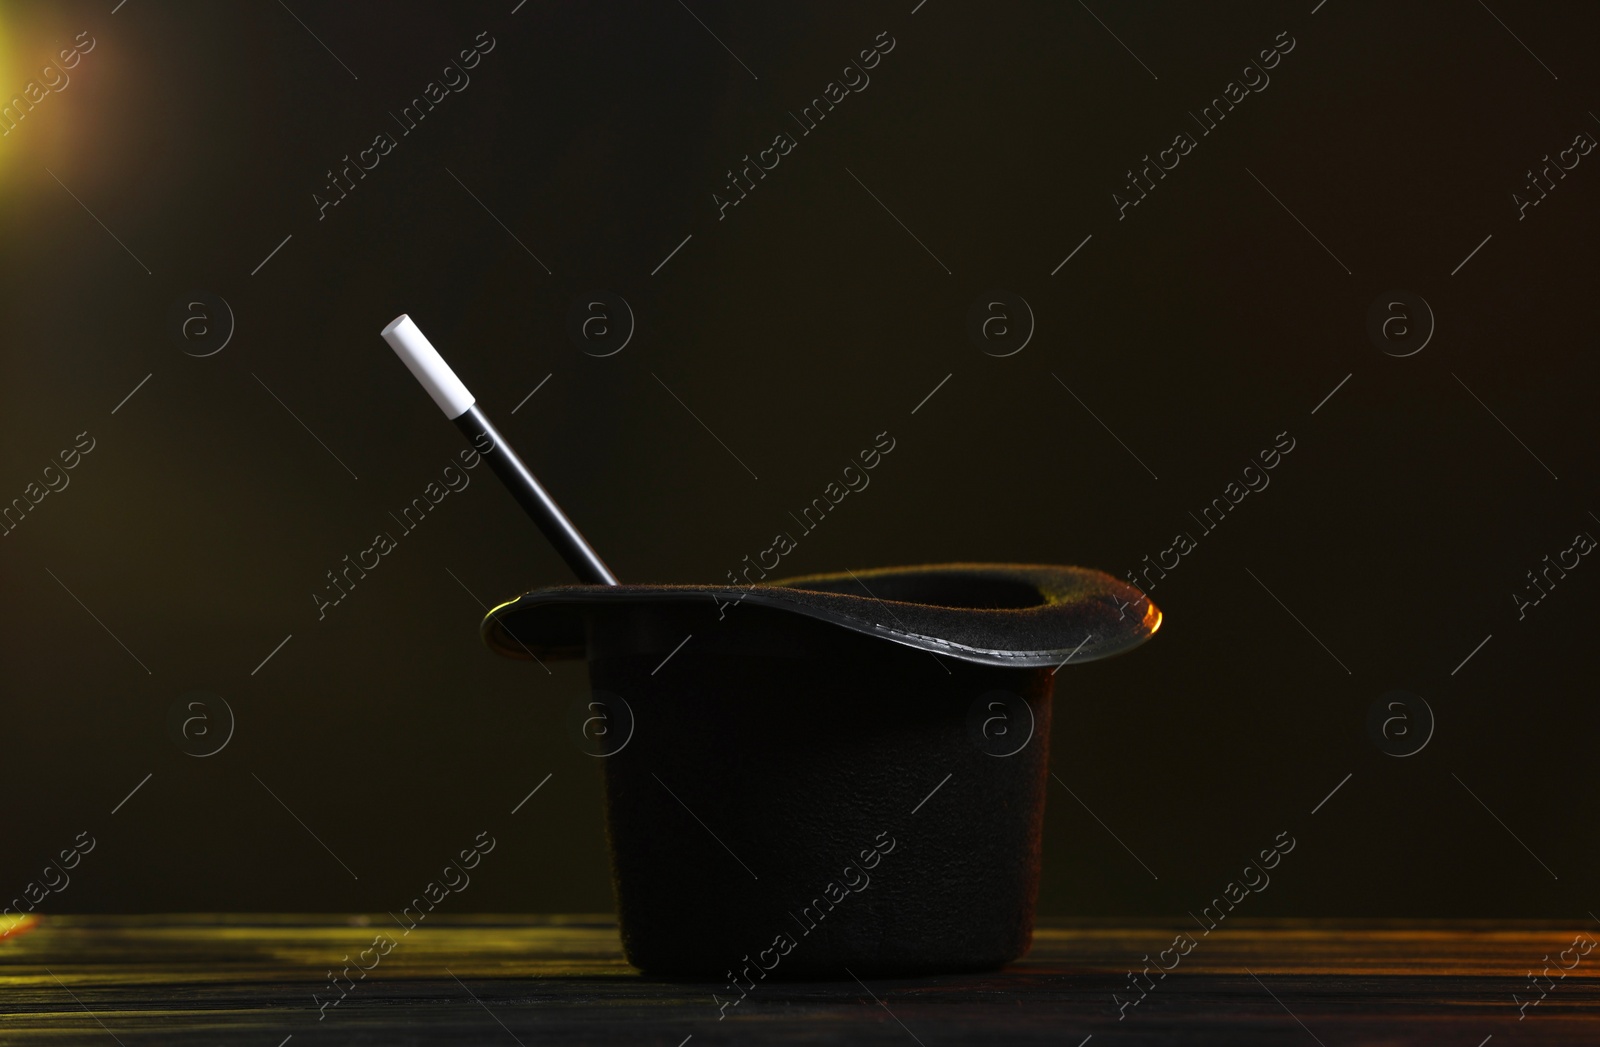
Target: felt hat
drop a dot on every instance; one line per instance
(828, 774)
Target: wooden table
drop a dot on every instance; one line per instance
(501, 980)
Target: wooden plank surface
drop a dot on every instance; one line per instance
(504, 980)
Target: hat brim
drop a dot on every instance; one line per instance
(1022, 615)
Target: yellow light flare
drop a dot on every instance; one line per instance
(14, 924)
(40, 60)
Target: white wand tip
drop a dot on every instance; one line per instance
(429, 368)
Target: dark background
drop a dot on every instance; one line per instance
(1202, 324)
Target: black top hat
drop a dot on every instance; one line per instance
(1016, 615)
(796, 730)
